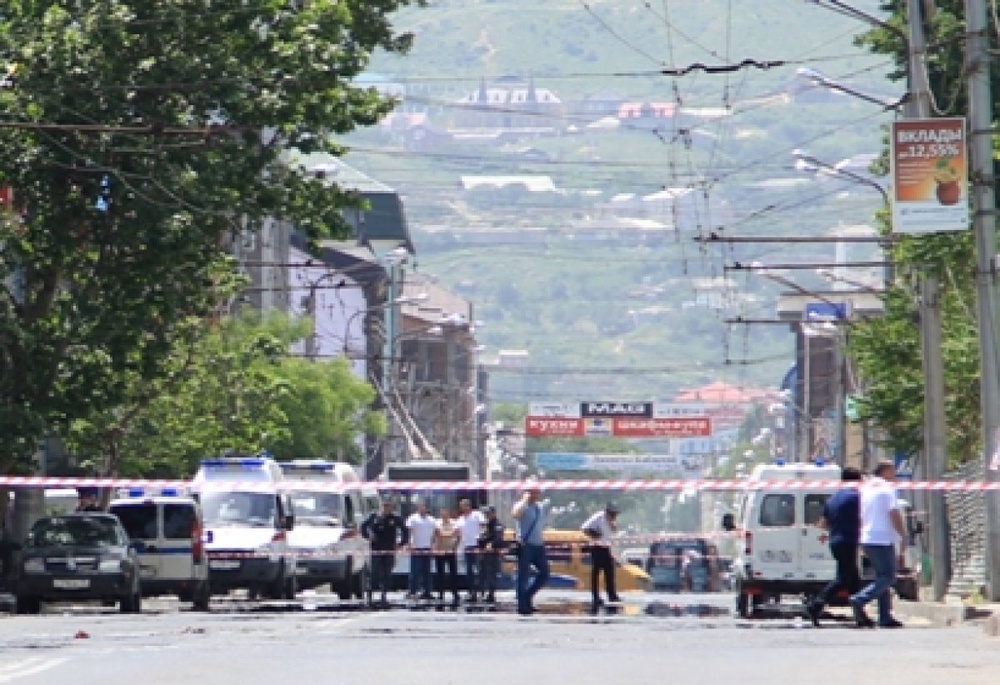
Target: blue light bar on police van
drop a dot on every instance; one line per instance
(135, 492)
(320, 468)
(250, 463)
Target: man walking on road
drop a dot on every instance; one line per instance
(530, 516)
(842, 519)
(600, 528)
(386, 532)
(881, 530)
(470, 525)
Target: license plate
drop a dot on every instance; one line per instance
(224, 564)
(301, 570)
(70, 583)
(147, 572)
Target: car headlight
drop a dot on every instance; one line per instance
(111, 565)
(34, 566)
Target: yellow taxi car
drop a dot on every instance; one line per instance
(567, 559)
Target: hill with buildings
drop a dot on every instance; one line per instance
(566, 168)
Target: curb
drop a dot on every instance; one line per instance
(948, 615)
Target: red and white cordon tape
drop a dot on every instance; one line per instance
(709, 484)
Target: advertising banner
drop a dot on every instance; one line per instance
(558, 409)
(691, 427)
(929, 176)
(567, 461)
(548, 427)
(613, 409)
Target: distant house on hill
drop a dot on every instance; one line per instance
(509, 102)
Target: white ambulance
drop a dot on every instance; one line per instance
(165, 526)
(781, 550)
(248, 516)
(327, 536)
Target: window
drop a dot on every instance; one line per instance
(138, 520)
(178, 521)
(814, 508)
(777, 511)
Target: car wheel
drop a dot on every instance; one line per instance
(360, 583)
(202, 596)
(345, 586)
(276, 590)
(744, 607)
(132, 603)
(25, 604)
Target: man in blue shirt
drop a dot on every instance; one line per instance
(530, 516)
(842, 517)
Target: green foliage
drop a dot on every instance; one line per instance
(235, 387)
(178, 113)
(888, 350)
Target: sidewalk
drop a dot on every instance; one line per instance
(951, 612)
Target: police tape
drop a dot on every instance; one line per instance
(632, 485)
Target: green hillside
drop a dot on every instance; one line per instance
(605, 309)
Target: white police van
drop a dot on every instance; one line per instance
(248, 517)
(782, 551)
(165, 526)
(328, 521)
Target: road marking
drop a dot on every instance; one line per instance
(10, 672)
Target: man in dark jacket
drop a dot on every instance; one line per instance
(491, 544)
(386, 532)
(842, 518)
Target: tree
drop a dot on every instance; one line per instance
(887, 350)
(235, 388)
(137, 137)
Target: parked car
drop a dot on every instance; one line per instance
(80, 556)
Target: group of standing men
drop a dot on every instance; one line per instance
(869, 515)
(477, 536)
(480, 539)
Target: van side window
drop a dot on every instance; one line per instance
(777, 510)
(349, 511)
(814, 508)
(178, 521)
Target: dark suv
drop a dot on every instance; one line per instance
(84, 556)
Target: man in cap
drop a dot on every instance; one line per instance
(530, 515)
(600, 528)
(386, 532)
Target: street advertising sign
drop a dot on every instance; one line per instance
(929, 176)
(690, 427)
(548, 427)
(614, 409)
(568, 461)
(559, 409)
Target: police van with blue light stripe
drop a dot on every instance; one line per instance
(165, 527)
(328, 520)
(248, 516)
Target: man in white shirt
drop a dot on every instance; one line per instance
(422, 527)
(600, 528)
(882, 529)
(470, 526)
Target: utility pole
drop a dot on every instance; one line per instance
(935, 425)
(977, 63)
(934, 440)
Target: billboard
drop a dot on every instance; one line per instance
(552, 427)
(562, 427)
(613, 409)
(568, 461)
(929, 176)
(691, 427)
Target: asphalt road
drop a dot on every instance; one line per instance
(654, 638)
